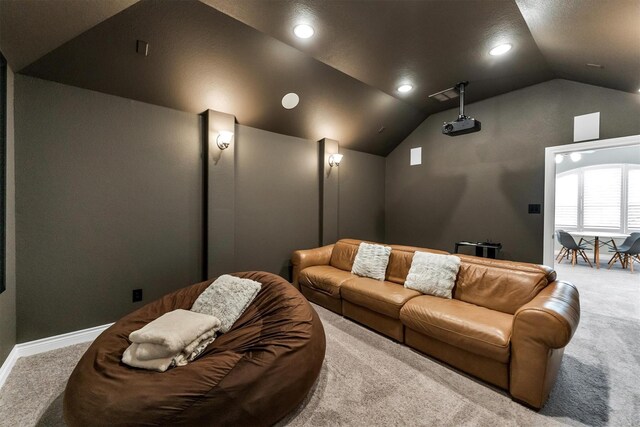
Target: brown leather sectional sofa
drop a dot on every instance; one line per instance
(507, 323)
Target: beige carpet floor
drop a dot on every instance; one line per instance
(370, 380)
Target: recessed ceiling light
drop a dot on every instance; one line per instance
(303, 31)
(559, 158)
(290, 100)
(404, 88)
(500, 49)
(575, 157)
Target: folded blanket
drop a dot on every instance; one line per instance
(149, 351)
(160, 365)
(226, 299)
(186, 357)
(175, 330)
(137, 355)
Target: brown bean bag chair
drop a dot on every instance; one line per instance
(253, 375)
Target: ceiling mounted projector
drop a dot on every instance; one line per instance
(463, 124)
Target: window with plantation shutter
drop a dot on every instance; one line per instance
(633, 200)
(602, 198)
(599, 198)
(567, 201)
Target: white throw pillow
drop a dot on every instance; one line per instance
(433, 274)
(371, 261)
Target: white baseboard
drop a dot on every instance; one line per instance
(47, 344)
(7, 366)
(58, 341)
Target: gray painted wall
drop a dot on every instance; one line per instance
(108, 200)
(277, 199)
(361, 201)
(478, 186)
(8, 297)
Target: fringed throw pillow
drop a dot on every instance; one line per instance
(371, 261)
(433, 274)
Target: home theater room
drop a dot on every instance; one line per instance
(320, 213)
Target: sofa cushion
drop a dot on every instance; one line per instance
(499, 285)
(400, 261)
(433, 274)
(325, 279)
(475, 329)
(371, 261)
(344, 253)
(382, 297)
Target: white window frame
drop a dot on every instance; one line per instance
(550, 183)
(624, 196)
(630, 167)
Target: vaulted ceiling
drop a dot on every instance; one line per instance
(241, 57)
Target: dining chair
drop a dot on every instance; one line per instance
(570, 247)
(563, 253)
(620, 250)
(632, 255)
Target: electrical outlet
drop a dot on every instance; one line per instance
(534, 208)
(136, 295)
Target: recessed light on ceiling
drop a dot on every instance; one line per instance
(575, 157)
(290, 100)
(500, 49)
(303, 31)
(404, 88)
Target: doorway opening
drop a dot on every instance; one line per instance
(592, 203)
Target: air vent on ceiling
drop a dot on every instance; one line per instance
(445, 95)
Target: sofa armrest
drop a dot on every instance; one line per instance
(541, 330)
(302, 259)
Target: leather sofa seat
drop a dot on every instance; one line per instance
(325, 279)
(382, 297)
(469, 327)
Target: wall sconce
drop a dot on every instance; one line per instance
(224, 139)
(335, 159)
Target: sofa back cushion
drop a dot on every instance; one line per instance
(345, 250)
(499, 285)
(344, 253)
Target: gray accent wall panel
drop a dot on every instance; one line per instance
(277, 199)
(329, 180)
(108, 199)
(8, 297)
(477, 186)
(362, 190)
(220, 197)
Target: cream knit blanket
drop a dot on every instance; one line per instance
(175, 330)
(173, 339)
